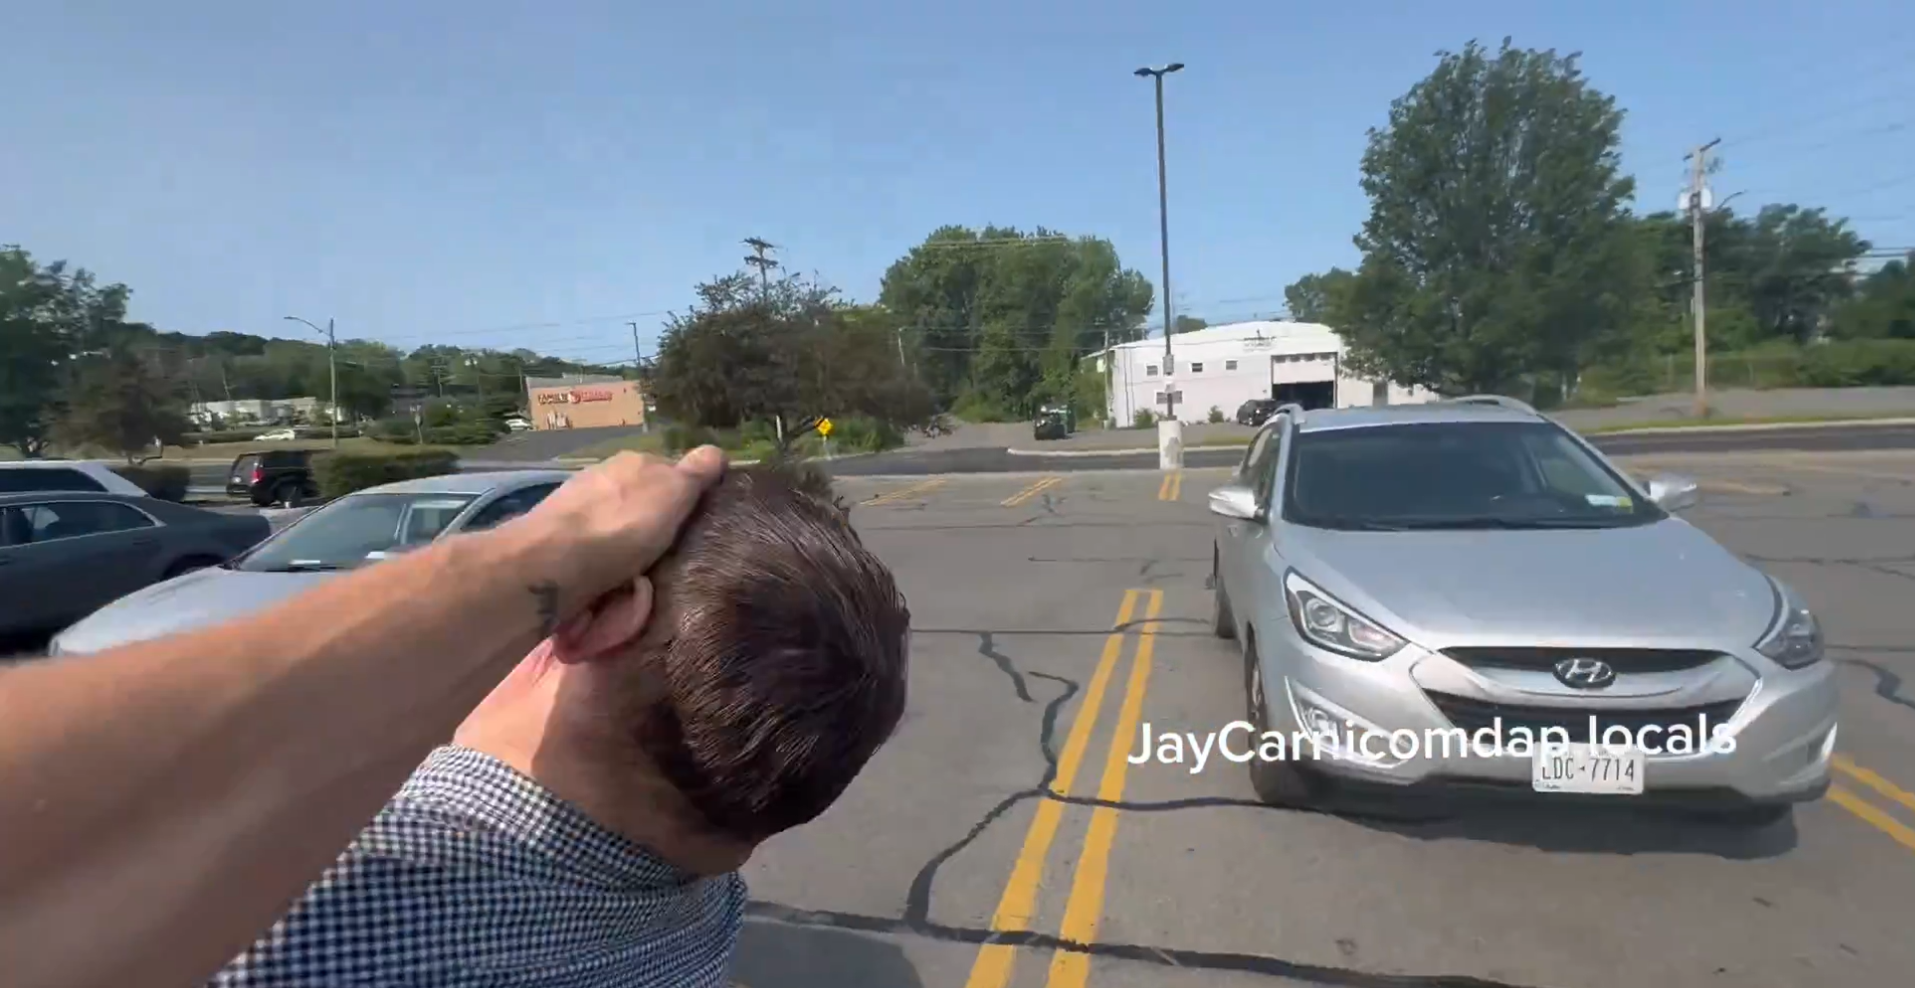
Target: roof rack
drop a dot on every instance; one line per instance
(1500, 400)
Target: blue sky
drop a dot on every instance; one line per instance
(503, 174)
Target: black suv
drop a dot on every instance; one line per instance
(279, 476)
(1256, 411)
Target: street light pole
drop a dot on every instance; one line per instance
(1169, 430)
(332, 368)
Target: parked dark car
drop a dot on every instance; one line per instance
(1052, 422)
(65, 554)
(1256, 411)
(279, 476)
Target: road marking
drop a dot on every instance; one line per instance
(1872, 815)
(906, 493)
(1085, 907)
(1032, 491)
(1017, 908)
(1846, 765)
(1172, 487)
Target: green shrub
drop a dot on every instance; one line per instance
(342, 473)
(166, 481)
(466, 432)
(1144, 419)
(757, 431)
(1835, 364)
(1216, 415)
(862, 434)
(679, 437)
(980, 408)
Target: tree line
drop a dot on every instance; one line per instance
(74, 371)
(1501, 254)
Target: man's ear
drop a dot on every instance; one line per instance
(611, 625)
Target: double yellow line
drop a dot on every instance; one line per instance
(1017, 908)
(1852, 801)
(906, 493)
(1173, 486)
(1032, 491)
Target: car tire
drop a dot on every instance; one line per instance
(1224, 620)
(288, 494)
(1278, 783)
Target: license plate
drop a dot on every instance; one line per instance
(1586, 769)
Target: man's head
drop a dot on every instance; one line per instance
(771, 668)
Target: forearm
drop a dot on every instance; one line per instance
(174, 797)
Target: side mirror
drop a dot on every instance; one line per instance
(1235, 501)
(1674, 491)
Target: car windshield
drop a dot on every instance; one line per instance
(1455, 475)
(356, 530)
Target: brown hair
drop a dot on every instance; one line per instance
(785, 665)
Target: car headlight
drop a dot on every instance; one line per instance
(1795, 638)
(1327, 623)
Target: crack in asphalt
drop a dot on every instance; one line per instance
(1202, 960)
(1888, 685)
(917, 911)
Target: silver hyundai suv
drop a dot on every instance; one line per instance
(1466, 595)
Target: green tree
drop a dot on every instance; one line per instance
(125, 401)
(1883, 306)
(1003, 315)
(1315, 297)
(1189, 324)
(48, 315)
(790, 354)
(1497, 244)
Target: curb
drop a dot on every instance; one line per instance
(1746, 427)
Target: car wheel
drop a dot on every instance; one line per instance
(288, 494)
(1277, 783)
(1225, 620)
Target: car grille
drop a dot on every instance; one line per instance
(1473, 715)
(1623, 660)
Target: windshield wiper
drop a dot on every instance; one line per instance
(1500, 522)
(302, 566)
(1356, 525)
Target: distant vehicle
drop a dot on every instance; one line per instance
(65, 553)
(353, 531)
(277, 435)
(1256, 411)
(278, 476)
(17, 476)
(1426, 574)
(1054, 422)
(517, 424)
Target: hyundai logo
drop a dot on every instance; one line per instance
(1585, 674)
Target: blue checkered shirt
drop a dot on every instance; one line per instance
(475, 876)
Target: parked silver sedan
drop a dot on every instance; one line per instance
(1417, 588)
(353, 531)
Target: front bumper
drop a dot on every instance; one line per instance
(1783, 723)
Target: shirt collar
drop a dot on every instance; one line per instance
(482, 788)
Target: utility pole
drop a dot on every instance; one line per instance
(1170, 431)
(638, 355)
(332, 366)
(759, 247)
(1698, 213)
(901, 364)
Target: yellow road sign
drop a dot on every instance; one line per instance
(824, 427)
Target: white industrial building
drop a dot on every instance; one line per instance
(1224, 366)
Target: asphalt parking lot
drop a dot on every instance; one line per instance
(947, 865)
